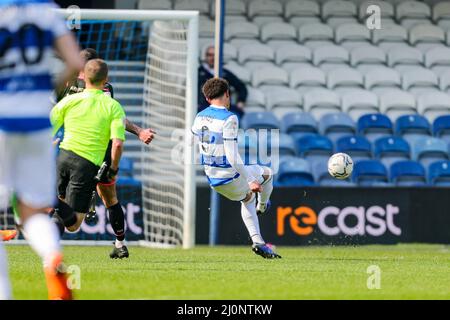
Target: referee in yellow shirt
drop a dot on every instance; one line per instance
(90, 119)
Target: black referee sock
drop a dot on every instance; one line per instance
(117, 220)
(66, 213)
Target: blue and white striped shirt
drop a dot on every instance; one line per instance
(29, 29)
(212, 126)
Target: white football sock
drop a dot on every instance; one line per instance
(5, 287)
(264, 196)
(118, 244)
(43, 236)
(248, 213)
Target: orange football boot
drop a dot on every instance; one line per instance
(56, 277)
(7, 235)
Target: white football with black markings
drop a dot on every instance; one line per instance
(340, 166)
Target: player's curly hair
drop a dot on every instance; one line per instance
(215, 88)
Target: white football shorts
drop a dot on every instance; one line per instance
(238, 189)
(28, 167)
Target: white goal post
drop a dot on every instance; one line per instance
(169, 103)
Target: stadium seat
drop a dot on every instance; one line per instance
(441, 12)
(370, 173)
(439, 173)
(338, 8)
(344, 77)
(298, 124)
(404, 55)
(292, 53)
(126, 167)
(348, 33)
(269, 76)
(428, 150)
(424, 33)
(264, 8)
(278, 30)
(154, 5)
(419, 78)
(392, 33)
(260, 120)
(242, 73)
(441, 128)
(261, 21)
(336, 125)
(255, 52)
(240, 42)
(287, 145)
(283, 97)
(330, 54)
(357, 147)
(300, 21)
(382, 77)
(291, 66)
(306, 8)
(410, 127)
(433, 105)
(257, 65)
(233, 8)
(241, 30)
(294, 172)
(314, 147)
(315, 31)
(374, 126)
(206, 28)
(412, 9)
(321, 101)
(367, 55)
(198, 5)
(358, 102)
(255, 98)
(307, 78)
(391, 149)
(437, 56)
(407, 174)
(335, 22)
(396, 103)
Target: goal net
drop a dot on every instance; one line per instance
(153, 59)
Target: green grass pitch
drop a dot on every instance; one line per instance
(407, 272)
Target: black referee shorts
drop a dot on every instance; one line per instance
(76, 180)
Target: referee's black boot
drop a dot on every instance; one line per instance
(119, 253)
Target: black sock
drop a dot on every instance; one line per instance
(59, 223)
(66, 213)
(117, 220)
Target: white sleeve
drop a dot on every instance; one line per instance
(230, 145)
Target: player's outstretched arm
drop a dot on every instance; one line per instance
(68, 50)
(145, 135)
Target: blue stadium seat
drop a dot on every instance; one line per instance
(287, 145)
(370, 173)
(126, 167)
(295, 172)
(314, 147)
(439, 173)
(337, 125)
(298, 124)
(441, 128)
(357, 147)
(427, 150)
(412, 126)
(374, 126)
(260, 120)
(323, 177)
(408, 173)
(391, 149)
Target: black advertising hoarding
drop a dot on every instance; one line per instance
(338, 216)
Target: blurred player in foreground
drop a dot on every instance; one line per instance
(30, 30)
(105, 188)
(90, 119)
(216, 130)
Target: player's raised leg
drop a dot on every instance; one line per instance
(264, 196)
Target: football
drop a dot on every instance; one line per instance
(340, 166)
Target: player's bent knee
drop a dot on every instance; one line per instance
(267, 174)
(249, 197)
